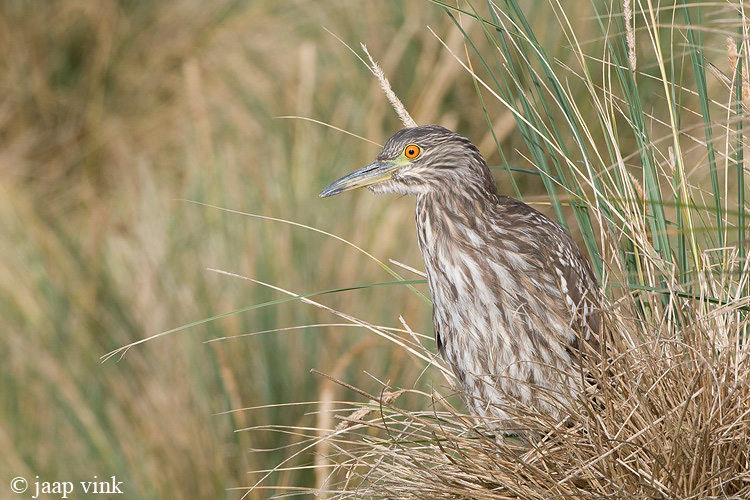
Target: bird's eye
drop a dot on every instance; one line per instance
(412, 151)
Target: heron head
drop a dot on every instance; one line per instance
(419, 160)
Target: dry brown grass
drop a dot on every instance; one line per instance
(668, 418)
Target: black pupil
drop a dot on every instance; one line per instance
(411, 151)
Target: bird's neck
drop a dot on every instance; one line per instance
(461, 204)
(446, 219)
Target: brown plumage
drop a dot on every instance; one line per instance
(514, 299)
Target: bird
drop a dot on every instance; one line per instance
(516, 304)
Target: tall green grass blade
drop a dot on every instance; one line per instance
(739, 158)
(695, 47)
(502, 89)
(636, 119)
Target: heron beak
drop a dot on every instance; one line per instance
(366, 176)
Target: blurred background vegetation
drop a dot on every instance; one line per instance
(112, 115)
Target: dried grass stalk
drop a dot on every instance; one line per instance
(668, 418)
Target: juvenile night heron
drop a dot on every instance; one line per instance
(514, 300)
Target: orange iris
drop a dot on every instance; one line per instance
(412, 151)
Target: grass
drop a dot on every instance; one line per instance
(113, 115)
(647, 157)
